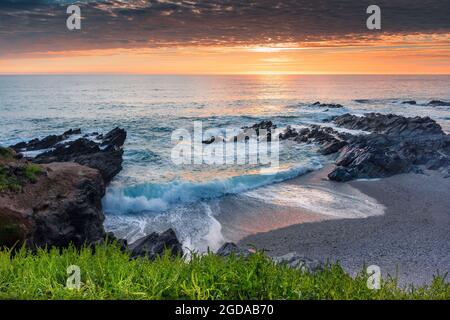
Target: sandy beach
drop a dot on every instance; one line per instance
(409, 241)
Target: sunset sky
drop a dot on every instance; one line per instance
(225, 37)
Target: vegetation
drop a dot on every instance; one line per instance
(108, 273)
(15, 174)
(31, 172)
(6, 153)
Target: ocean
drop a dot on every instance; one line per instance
(152, 193)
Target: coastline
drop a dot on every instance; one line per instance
(409, 241)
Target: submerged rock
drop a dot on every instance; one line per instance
(155, 244)
(327, 105)
(438, 103)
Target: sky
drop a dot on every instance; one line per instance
(225, 37)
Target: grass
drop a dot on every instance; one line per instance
(108, 273)
(9, 182)
(14, 182)
(6, 153)
(31, 172)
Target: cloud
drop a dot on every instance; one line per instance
(28, 26)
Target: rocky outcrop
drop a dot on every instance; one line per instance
(231, 248)
(61, 205)
(155, 244)
(396, 145)
(390, 124)
(292, 259)
(295, 261)
(392, 144)
(55, 199)
(330, 140)
(45, 143)
(104, 153)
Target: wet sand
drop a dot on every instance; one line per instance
(410, 241)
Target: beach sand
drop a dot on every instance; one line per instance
(410, 241)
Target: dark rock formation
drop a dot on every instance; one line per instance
(45, 143)
(230, 248)
(327, 105)
(396, 145)
(295, 261)
(409, 102)
(155, 244)
(61, 206)
(392, 144)
(105, 155)
(209, 141)
(330, 140)
(389, 124)
(438, 103)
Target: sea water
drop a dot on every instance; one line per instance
(152, 193)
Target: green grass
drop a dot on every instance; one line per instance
(11, 182)
(6, 153)
(31, 172)
(110, 274)
(8, 182)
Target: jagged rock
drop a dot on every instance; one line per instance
(293, 260)
(332, 147)
(230, 248)
(45, 143)
(397, 145)
(105, 156)
(288, 133)
(62, 206)
(155, 244)
(254, 131)
(438, 103)
(389, 124)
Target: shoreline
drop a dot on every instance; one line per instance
(409, 241)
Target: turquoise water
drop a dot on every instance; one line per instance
(151, 193)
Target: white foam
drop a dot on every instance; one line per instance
(348, 202)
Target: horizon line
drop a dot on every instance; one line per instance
(217, 74)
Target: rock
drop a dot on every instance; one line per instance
(209, 141)
(438, 103)
(389, 124)
(105, 156)
(155, 244)
(293, 260)
(288, 133)
(265, 125)
(254, 131)
(396, 145)
(45, 143)
(230, 248)
(341, 174)
(332, 147)
(62, 206)
(409, 102)
(327, 105)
